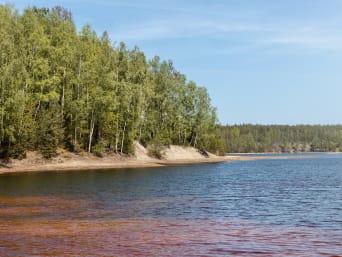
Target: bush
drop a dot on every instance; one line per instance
(48, 147)
(99, 148)
(156, 151)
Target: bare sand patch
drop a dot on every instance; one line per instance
(70, 161)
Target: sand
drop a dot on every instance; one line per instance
(173, 155)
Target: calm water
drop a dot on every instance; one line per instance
(287, 207)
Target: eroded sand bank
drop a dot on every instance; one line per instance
(173, 155)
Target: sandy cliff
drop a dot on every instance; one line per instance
(71, 161)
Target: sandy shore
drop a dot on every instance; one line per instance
(173, 155)
(96, 163)
(103, 164)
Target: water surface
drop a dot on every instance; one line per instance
(253, 208)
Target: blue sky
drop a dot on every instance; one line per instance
(262, 61)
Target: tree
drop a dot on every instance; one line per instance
(60, 88)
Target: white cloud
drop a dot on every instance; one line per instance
(181, 28)
(251, 34)
(315, 38)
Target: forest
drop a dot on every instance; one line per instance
(60, 87)
(249, 138)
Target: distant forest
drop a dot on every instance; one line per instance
(79, 91)
(282, 139)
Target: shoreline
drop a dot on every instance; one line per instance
(106, 164)
(275, 153)
(69, 161)
(175, 156)
(129, 163)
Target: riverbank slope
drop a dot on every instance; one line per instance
(173, 155)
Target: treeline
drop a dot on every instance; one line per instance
(281, 138)
(63, 88)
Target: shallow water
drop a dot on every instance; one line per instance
(286, 207)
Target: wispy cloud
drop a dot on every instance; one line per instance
(180, 28)
(250, 25)
(315, 38)
(253, 33)
(249, 29)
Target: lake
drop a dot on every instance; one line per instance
(275, 207)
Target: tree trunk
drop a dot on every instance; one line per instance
(91, 130)
(117, 134)
(78, 98)
(140, 128)
(2, 114)
(38, 107)
(123, 137)
(63, 94)
(75, 134)
(184, 138)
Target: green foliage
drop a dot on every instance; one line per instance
(282, 138)
(48, 147)
(48, 133)
(77, 90)
(156, 150)
(214, 143)
(99, 148)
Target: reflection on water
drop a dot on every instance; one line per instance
(19, 208)
(258, 208)
(52, 235)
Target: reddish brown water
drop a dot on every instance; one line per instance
(262, 208)
(42, 233)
